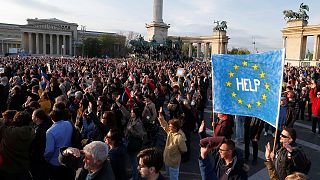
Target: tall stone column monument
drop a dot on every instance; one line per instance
(157, 29)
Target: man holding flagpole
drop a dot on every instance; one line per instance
(246, 85)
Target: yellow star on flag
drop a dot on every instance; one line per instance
(255, 67)
(231, 74)
(233, 94)
(264, 97)
(249, 106)
(239, 101)
(267, 86)
(262, 74)
(236, 67)
(258, 103)
(245, 63)
(228, 84)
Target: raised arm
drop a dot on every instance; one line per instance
(163, 122)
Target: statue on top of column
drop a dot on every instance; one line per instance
(300, 15)
(221, 26)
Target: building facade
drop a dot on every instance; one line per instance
(40, 37)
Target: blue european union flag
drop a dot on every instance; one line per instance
(248, 85)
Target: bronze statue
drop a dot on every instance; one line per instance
(221, 26)
(301, 15)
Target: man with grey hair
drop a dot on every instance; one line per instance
(92, 159)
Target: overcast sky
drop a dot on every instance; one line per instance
(261, 20)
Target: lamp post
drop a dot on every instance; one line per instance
(62, 48)
(83, 30)
(74, 48)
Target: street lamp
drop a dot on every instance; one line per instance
(62, 48)
(83, 30)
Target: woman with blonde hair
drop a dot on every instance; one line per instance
(45, 102)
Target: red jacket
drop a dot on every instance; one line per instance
(315, 102)
(224, 128)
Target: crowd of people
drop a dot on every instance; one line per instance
(104, 117)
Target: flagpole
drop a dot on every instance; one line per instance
(212, 91)
(275, 140)
(277, 120)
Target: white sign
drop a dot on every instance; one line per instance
(180, 72)
(13, 50)
(49, 68)
(1, 70)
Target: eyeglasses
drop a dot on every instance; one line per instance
(283, 136)
(224, 149)
(318, 94)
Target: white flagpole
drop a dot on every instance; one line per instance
(212, 91)
(280, 88)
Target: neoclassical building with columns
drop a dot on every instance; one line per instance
(39, 37)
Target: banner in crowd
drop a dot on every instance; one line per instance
(248, 85)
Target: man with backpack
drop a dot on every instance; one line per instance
(288, 159)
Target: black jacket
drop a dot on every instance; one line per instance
(287, 164)
(39, 143)
(118, 159)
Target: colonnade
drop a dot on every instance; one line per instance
(47, 43)
(206, 52)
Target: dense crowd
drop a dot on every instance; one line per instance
(105, 116)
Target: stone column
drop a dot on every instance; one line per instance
(190, 50)
(30, 42)
(206, 48)
(44, 44)
(64, 45)
(37, 43)
(157, 10)
(70, 45)
(316, 47)
(7, 48)
(22, 41)
(198, 49)
(51, 44)
(2, 47)
(58, 45)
